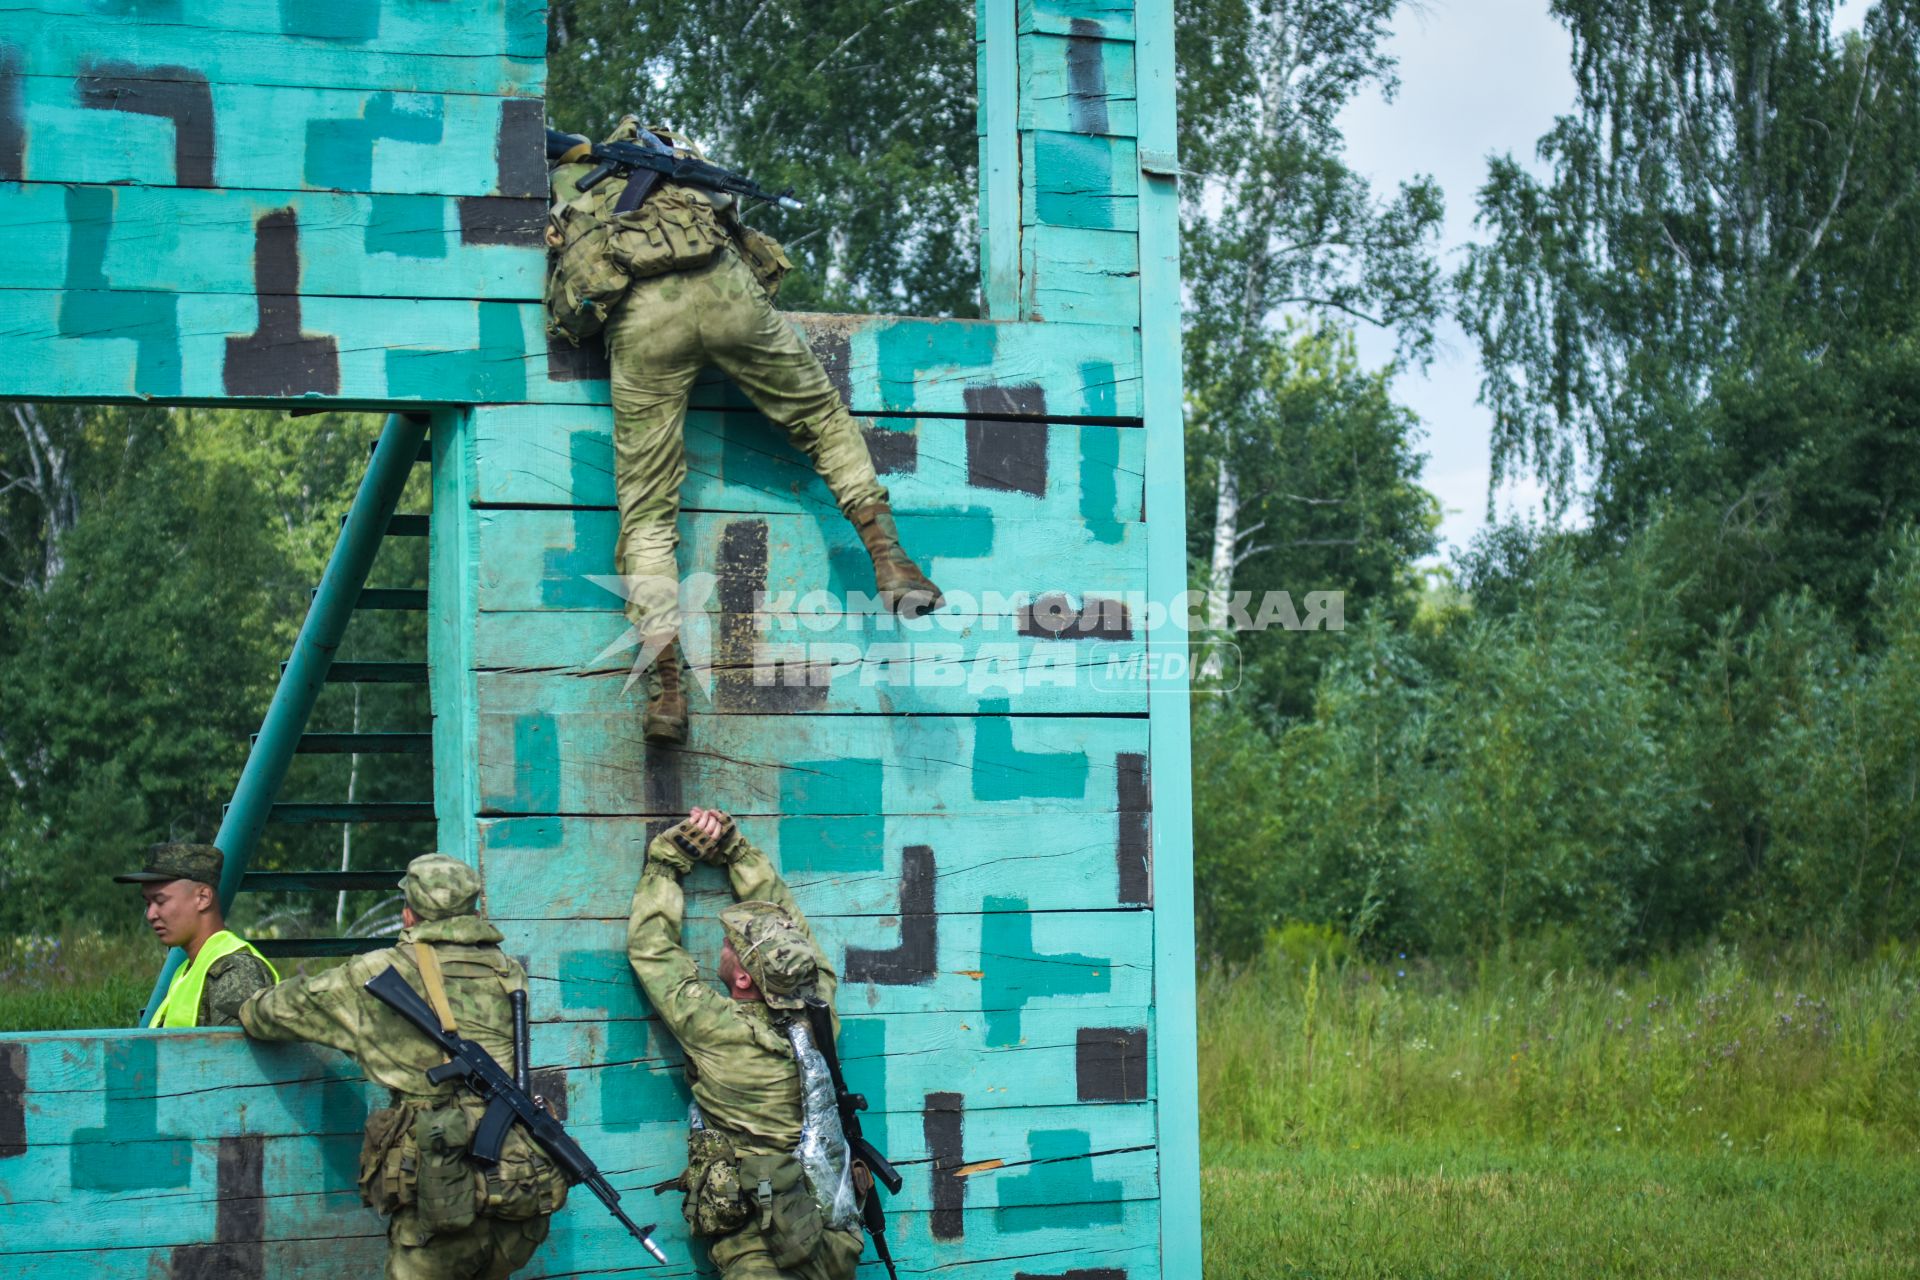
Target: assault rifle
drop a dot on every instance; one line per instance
(820, 1022)
(507, 1101)
(654, 160)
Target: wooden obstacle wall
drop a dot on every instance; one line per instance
(298, 202)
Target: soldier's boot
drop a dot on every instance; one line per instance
(903, 588)
(666, 716)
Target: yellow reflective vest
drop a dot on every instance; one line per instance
(181, 1008)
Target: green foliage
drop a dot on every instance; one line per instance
(1329, 500)
(865, 107)
(131, 680)
(76, 979)
(1590, 759)
(1729, 200)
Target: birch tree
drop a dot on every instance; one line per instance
(1276, 225)
(1733, 187)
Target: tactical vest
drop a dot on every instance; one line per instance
(415, 1153)
(595, 254)
(181, 1006)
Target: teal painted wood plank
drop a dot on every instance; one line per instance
(451, 571)
(273, 138)
(736, 461)
(1077, 84)
(96, 343)
(579, 1244)
(615, 1072)
(902, 365)
(177, 240)
(544, 559)
(1108, 19)
(998, 115)
(998, 965)
(1120, 1241)
(1079, 276)
(100, 344)
(1175, 1017)
(838, 862)
(1073, 180)
(492, 47)
(837, 664)
(576, 750)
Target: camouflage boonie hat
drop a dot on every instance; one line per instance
(175, 861)
(773, 951)
(438, 887)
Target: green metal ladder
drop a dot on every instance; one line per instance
(342, 592)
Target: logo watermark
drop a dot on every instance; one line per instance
(994, 644)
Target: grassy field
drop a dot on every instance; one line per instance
(78, 979)
(1718, 1115)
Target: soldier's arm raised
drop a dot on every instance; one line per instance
(665, 969)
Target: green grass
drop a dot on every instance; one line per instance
(1713, 1115)
(1427, 1211)
(76, 980)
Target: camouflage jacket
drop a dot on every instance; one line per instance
(739, 1063)
(230, 980)
(332, 1009)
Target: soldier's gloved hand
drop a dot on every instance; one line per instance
(665, 855)
(710, 836)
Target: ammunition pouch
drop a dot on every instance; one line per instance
(789, 1216)
(677, 229)
(387, 1162)
(584, 283)
(713, 1205)
(763, 255)
(525, 1184)
(448, 1185)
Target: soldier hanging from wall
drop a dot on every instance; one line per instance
(676, 281)
(772, 1182)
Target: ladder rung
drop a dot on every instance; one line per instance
(318, 881)
(366, 744)
(302, 814)
(274, 948)
(374, 672)
(410, 599)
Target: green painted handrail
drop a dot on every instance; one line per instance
(306, 671)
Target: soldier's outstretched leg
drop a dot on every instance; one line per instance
(653, 345)
(760, 351)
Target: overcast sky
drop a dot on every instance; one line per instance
(1477, 78)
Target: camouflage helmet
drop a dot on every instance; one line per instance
(773, 949)
(438, 886)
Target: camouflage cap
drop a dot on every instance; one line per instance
(774, 951)
(438, 886)
(173, 860)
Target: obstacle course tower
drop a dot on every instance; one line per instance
(299, 203)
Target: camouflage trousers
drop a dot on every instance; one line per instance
(744, 1256)
(490, 1249)
(661, 336)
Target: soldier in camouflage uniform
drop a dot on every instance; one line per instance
(678, 284)
(449, 1220)
(740, 1064)
(180, 883)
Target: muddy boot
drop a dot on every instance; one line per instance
(903, 588)
(666, 718)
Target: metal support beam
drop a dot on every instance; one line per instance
(398, 448)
